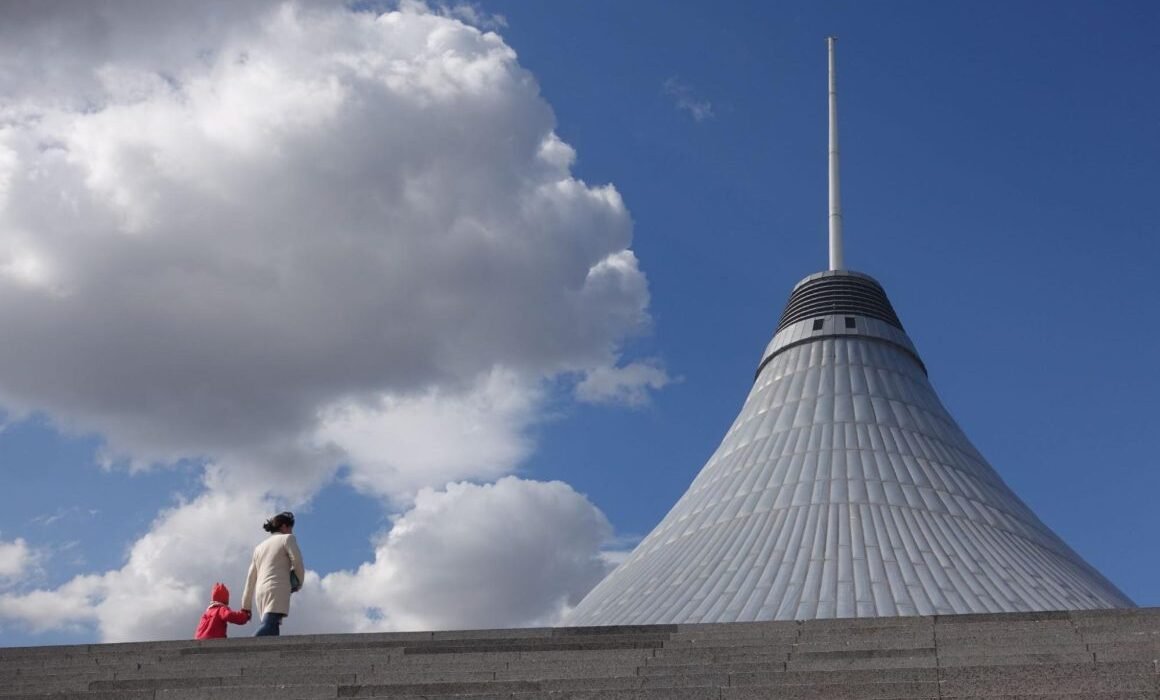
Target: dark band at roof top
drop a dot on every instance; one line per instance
(838, 292)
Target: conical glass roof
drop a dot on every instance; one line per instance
(844, 489)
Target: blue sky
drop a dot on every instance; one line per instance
(999, 171)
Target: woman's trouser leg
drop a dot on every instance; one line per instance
(271, 625)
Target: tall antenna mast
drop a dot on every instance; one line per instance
(835, 199)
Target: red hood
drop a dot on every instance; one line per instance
(220, 594)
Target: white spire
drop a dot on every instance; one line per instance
(835, 201)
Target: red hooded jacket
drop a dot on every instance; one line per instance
(213, 621)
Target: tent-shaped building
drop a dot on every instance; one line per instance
(844, 488)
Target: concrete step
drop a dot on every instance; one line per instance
(1102, 656)
(1064, 696)
(82, 695)
(1072, 679)
(985, 657)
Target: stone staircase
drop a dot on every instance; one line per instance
(1100, 655)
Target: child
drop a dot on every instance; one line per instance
(213, 621)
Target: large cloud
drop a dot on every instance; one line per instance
(511, 553)
(333, 205)
(280, 237)
(54, 49)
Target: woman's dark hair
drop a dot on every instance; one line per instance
(275, 523)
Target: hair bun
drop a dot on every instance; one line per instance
(275, 523)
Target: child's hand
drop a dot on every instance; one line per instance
(248, 615)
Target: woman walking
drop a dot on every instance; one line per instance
(276, 571)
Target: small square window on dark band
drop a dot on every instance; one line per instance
(818, 323)
(850, 322)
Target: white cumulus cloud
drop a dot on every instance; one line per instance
(16, 558)
(630, 385)
(164, 584)
(515, 552)
(334, 205)
(281, 237)
(512, 553)
(396, 446)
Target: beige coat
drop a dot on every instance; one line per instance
(269, 576)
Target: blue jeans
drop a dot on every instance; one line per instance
(271, 625)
